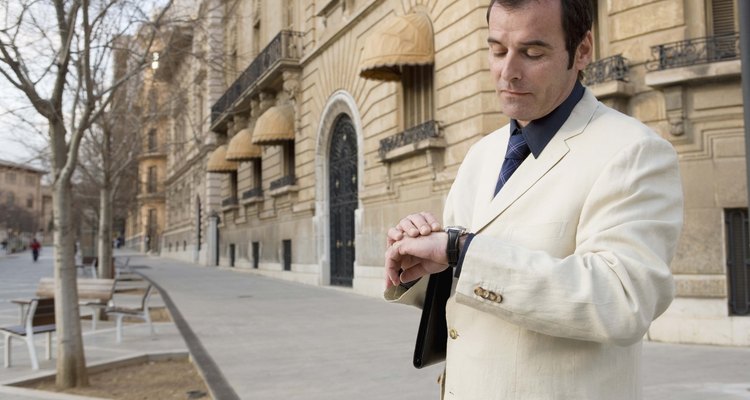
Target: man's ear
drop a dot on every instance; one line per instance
(585, 52)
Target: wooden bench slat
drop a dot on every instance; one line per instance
(88, 289)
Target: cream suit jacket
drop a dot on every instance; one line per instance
(569, 265)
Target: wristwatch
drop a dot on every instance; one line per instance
(452, 249)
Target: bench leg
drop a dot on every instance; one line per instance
(147, 317)
(48, 353)
(118, 337)
(7, 351)
(32, 351)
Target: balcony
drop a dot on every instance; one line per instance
(254, 192)
(608, 79)
(695, 51)
(284, 51)
(229, 202)
(698, 60)
(149, 152)
(411, 141)
(613, 68)
(282, 182)
(253, 195)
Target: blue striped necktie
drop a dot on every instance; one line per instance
(517, 151)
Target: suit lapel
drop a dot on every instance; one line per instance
(487, 207)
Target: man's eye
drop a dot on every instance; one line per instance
(534, 54)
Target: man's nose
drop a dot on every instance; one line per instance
(512, 68)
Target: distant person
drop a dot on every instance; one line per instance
(35, 246)
(4, 243)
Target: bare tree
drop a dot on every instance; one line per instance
(108, 156)
(61, 67)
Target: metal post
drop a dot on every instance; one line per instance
(744, 11)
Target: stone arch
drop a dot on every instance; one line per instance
(340, 102)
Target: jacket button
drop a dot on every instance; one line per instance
(497, 298)
(453, 334)
(479, 291)
(491, 296)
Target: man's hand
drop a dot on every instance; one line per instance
(414, 257)
(414, 225)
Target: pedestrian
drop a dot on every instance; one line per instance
(4, 243)
(35, 247)
(560, 265)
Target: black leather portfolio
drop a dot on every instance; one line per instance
(432, 336)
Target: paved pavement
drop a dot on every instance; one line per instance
(260, 338)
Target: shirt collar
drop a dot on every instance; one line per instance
(539, 132)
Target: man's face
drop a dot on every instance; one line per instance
(528, 59)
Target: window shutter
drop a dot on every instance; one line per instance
(722, 12)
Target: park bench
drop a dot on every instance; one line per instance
(92, 293)
(39, 318)
(140, 311)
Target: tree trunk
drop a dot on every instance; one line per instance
(106, 268)
(71, 362)
(105, 233)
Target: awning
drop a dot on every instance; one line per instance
(404, 40)
(241, 147)
(275, 126)
(217, 161)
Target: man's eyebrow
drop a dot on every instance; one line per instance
(537, 43)
(530, 43)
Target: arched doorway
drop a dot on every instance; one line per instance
(342, 174)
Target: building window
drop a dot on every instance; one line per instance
(256, 254)
(288, 158)
(10, 177)
(417, 87)
(738, 267)
(151, 180)
(11, 199)
(287, 256)
(257, 173)
(151, 229)
(233, 184)
(30, 181)
(722, 17)
(151, 141)
(30, 202)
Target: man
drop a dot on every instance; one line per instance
(35, 246)
(566, 260)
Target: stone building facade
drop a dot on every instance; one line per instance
(329, 120)
(22, 197)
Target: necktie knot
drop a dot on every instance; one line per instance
(518, 149)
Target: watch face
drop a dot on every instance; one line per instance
(459, 229)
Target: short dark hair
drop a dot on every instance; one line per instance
(577, 19)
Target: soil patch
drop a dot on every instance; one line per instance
(152, 380)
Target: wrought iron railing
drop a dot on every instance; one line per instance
(254, 192)
(229, 201)
(614, 68)
(286, 45)
(283, 181)
(427, 130)
(695, 51)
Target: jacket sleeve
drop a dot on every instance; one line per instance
(414, 296)
(617, 280)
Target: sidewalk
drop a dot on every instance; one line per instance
(259, 338)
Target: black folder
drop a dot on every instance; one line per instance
(432, 336)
